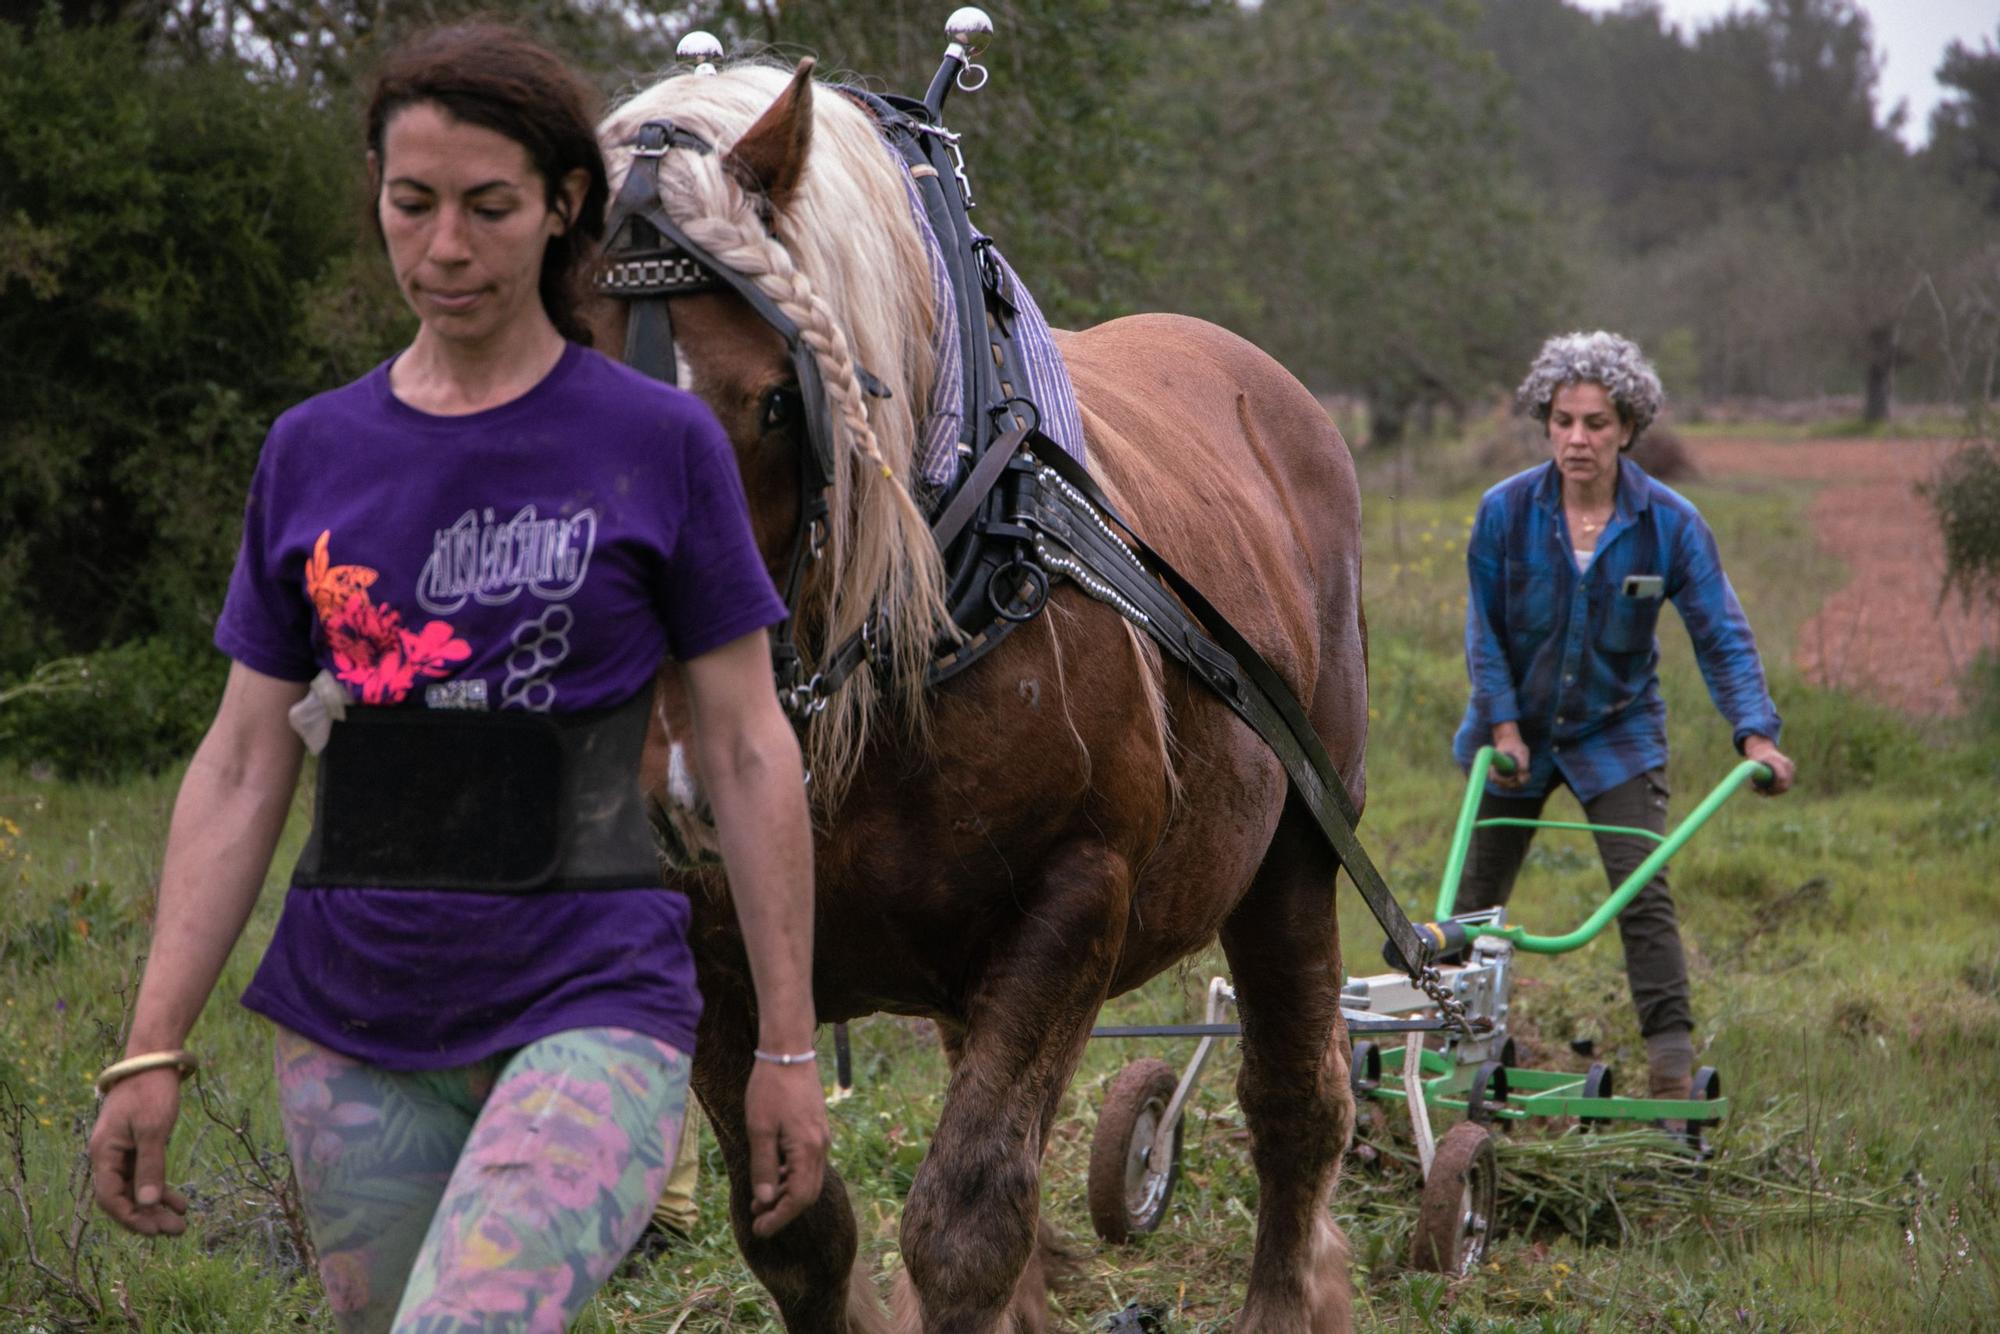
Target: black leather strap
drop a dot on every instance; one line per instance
(978, 484)
(639, 223)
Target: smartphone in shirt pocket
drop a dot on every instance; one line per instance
(1630, 620)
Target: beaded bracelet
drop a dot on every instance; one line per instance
(116, 1073)
(785, 1058)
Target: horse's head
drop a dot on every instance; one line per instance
(801, 196)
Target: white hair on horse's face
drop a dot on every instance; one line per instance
(846, 250)
(1603, 358)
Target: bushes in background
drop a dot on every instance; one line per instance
(168, 234)
(136, 708)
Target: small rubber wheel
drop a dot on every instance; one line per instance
(1127, 1197)
(1596, 1084)
(1364, 1069)
(1509, 1054)
(1706, 1086)
(1461, 1196)
(1488, 1091)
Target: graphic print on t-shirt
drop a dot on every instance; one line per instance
(484, 559)
(371, 649)
(540, 645)
(491, 561)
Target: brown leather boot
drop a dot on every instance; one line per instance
(1670, 1071)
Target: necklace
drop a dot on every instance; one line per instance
(1587, 526)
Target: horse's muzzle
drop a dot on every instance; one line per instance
(683, 820)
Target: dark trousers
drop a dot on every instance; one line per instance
(1654, 963)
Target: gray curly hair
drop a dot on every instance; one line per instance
(1609, 359)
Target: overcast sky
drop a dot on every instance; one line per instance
(1910, 38)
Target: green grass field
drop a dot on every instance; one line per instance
(1847, 981)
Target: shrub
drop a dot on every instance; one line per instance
(1965, 494)
(1663, 454)
(141, 707)
(167, 234)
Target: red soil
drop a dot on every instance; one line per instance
(1884, 630)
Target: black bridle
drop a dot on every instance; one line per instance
(649, 260)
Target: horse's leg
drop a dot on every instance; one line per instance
(809, 1266)
(1027, 1311)
(970, 1226)
(1283, 943)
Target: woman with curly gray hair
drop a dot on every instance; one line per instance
(1569, 564)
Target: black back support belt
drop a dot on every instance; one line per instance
(507, 803)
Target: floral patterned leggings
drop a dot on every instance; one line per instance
(496, 1196)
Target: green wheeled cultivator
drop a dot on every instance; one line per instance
(1470, 1076)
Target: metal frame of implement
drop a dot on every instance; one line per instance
(1471, 1073)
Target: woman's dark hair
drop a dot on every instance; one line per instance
(501, 79)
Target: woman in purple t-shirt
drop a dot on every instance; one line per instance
(458, 579)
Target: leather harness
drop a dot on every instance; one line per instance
(1025, 514)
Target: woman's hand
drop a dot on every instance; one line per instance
(785, 1114)
(1765, 751)
(227, 818)
(128, 1154)
(1507, 740)
(749, 765)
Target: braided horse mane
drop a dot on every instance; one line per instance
(845, 262)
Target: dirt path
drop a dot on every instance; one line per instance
(1883, 630)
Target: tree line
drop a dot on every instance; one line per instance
(1740, 193)
(1396, 199)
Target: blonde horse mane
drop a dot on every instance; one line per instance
(846, 264)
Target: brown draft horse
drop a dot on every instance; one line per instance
(1070, 816)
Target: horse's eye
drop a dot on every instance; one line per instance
(781, 409)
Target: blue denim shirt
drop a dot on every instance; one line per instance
(1572, 656)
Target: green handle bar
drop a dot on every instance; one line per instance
(1468, 815)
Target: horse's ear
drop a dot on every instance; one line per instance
(770, 158)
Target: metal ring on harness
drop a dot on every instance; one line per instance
(1017, 609)
(805, 701)
(1007, 405)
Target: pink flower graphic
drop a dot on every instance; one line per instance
(476, 1279)
(371, 649)
(434, 648)
(554, 1136)
(316, 1126)
(367, 644)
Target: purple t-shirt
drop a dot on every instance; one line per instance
(546, 554)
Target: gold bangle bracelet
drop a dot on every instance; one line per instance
(184, 1061)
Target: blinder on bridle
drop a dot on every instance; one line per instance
(649, 260)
